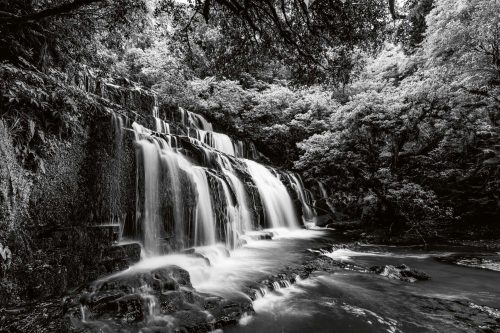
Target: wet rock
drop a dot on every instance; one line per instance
(487, 261)
(201, 256)
(159, 300)
(324, 220)
(42, 317)
(129, 308)
(119, 257)
(160, 280)
(401, 272)
(241, 242)
(462, 314)
(260, 235)
(131, 297)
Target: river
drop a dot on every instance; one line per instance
(456, 298)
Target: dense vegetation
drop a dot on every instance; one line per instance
(394, 111)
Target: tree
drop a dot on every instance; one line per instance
(464, 34)
(66, 32)
(420, 128)
(58, 9)
(316, 40)
(411, 31)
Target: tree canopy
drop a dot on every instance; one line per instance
(389, 109)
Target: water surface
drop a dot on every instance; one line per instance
(456, 298)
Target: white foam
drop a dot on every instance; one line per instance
(276, 303)
(245, 319)
(280, 233)
(361, 312)
(347, 255)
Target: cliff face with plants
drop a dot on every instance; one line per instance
(61, 183)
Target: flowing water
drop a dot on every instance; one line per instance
(455, 299)
(199, 191)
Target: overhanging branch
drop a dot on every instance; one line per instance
(58, 10)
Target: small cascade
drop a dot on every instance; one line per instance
(193, 120)
(204, 230)
(162, 126)
(279, 210)
(263, 291)
(308, 212)
(200, 129)
(221, 142)
(83, 313)
(148, 153)
(278, 284)
(117, 127)
(151, 304)
(195, 188)
(325, 196)
(218, 141)
(156, 109)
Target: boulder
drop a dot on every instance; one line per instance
(152, 301)
(401, 272)
(486, 261)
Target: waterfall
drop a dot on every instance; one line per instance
(325, 196)
(195, 187)
(148, 153)
(204, 230)
(117, 123)
(279, 209)
(156, 109)
(305, 198)
(162, 126)
(244, 216)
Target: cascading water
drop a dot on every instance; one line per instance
(118, 124)
(244, 215)
(279, 209)
(305, 197)
(195, 189)
(324, 195)
(204, 230)
(148, 152)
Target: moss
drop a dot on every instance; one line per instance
(75, 178)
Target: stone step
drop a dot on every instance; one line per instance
(258, 235)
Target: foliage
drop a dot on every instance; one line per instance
(399, 121)
(73, 35)
(309, 42)
(274, 116)
(411, 31)
(418, 130)
(37, 107)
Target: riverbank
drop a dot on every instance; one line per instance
(452, 236)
